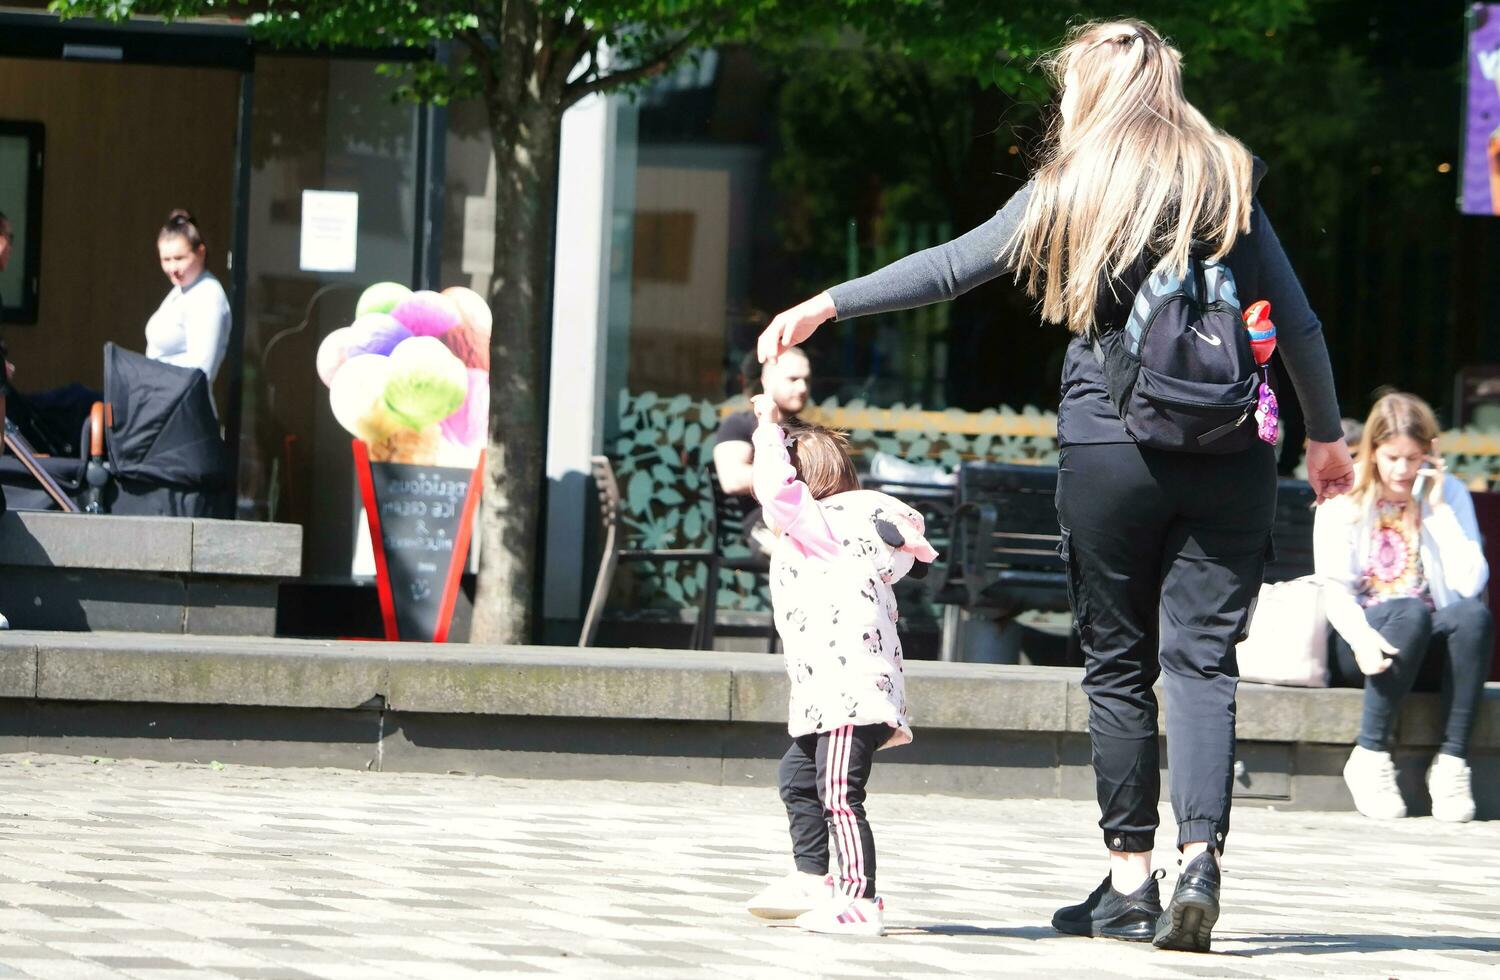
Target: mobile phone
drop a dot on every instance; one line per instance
(1422, 485)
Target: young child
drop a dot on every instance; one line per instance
(838, 551)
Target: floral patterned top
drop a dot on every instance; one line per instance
(1394, 569)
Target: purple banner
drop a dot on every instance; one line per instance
(1481, 163)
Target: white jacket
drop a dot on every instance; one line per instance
(831, 575)
(1451, 549)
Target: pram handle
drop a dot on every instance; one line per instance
(96, 430)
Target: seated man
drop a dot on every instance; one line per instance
(786, 382)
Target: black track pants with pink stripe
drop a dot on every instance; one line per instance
(823, 786)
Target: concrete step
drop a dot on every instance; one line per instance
(634, 713)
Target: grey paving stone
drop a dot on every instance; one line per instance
(266, 943)
(641, 962)
(140, 963)
(295, 929)
(63, 936)
(293, 903)
(519, 950)
(491, 966)
(75, 911)
(16, 954)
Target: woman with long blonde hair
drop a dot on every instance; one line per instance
(1164, 548)
(1403, 569)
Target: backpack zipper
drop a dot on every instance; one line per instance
(1214, 435)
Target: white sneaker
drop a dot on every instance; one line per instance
(1450, 785)
(1371, 778)
(789, 897)
(842, 917)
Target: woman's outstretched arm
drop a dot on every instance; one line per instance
(932, 275)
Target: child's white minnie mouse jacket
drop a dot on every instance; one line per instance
(832, 570)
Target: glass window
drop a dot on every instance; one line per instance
(22, 146)
(319, 124)
(760, 181)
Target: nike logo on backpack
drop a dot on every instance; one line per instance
(1215, 341)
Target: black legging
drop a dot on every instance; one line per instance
(1447, 650)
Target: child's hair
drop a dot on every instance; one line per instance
(1395, 414)
(820, 456)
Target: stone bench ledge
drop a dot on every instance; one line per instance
(601, 683)
(163, 545)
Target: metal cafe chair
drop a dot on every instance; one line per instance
(726, 535)
(610, 516)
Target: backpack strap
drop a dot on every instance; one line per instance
(1130, 282)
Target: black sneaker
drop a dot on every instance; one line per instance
(1115, 916)
(1189, 919)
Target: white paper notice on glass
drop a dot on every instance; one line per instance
(330, 228)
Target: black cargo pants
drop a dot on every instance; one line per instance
(1165, 552)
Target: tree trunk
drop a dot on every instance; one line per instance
(525, 128)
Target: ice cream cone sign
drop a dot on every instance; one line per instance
(409, 379)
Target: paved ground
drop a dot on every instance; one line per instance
(152, 870)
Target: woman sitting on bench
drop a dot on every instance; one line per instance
(1404, 569)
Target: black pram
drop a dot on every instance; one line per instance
(152, 447)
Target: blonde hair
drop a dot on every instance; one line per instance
(820, 456)
(1393, 415)
(1133, 170)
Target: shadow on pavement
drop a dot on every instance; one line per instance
(997, 932)
(1303, 943)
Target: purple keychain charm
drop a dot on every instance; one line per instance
(1267, 415)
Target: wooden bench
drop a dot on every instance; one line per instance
(1004, 556)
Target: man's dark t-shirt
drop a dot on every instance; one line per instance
(739, 427)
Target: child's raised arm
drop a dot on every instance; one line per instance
(786, 501)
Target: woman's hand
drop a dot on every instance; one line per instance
(791, 327)
(1373, 653)
(1330, 470)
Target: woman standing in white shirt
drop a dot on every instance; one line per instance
(191, 326)
(1403, 568)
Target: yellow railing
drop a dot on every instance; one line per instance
(921, 420)
(1043, 424)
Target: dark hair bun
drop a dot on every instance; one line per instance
(180, 222)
